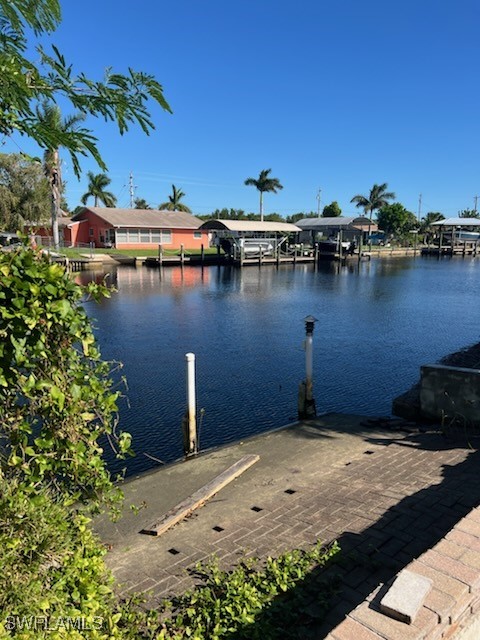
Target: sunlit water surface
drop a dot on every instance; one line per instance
(377, 323)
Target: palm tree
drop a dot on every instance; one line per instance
(141, 203)
(50, 119)
(174, 203)
(97, 184)
(378, 198)
(431, 217)
(264, 184)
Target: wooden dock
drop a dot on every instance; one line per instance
(465, 249)
(72, 264)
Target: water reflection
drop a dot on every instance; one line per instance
(378, 322)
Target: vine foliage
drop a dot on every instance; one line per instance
(56, 393)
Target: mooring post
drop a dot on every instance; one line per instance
(160, 255)
(306, 402)
(190, 421)
(202, 253)
(182, 254)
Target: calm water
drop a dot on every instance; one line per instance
(376, 325)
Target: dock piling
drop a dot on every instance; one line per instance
(306, 402)
(190, 420)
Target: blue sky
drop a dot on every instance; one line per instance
(331, 94)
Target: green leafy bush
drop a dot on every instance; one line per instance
(56, 396)
(56, 401)
(276, 600)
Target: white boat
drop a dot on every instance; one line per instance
(253, 247)
(466, 236)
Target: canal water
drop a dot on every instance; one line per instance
(377, 322)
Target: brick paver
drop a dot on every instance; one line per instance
(387, 498)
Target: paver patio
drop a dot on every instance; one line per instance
(386, 496)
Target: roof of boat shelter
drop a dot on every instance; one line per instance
(250, 225)
(340, 222)
(457, 222)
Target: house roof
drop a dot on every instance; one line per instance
(457, 222)
(142, 218)
(340, 222)
(250, 225)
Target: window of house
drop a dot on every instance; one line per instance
(122, 235)
(133, 235)
(197, 234)
(90, 232)
(145, 235)
(156, 236)
(166, 237)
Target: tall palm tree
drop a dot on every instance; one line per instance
(377, 198)
(264, 184)
(97, 184)
(174, 203)
(50, 118)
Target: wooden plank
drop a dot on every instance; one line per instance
(197, 499)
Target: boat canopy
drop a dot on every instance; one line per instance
(457, 222)
(250, 226)
(336, 222)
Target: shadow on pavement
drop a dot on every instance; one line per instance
(376, 554)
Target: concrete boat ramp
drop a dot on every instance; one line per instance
(386, 492)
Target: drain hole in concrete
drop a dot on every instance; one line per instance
(290, 491)
(173, 551)
(257, 509)
(217, 528)
(368, 453)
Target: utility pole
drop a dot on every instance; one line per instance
(475, 198)
(132, 188)
(419, 207)
(318, 202)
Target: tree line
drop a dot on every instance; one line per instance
(26, 196)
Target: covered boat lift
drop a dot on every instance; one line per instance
(244, 240)
(462, 234)
(351, 228)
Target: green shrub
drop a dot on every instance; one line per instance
(56, 395)
(274, 600)
(56, 400)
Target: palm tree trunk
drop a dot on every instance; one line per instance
(369, 230)
(55, 187)
(261, 206)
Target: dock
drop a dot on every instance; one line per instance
(386, 493)
(72, 264)
(465, 249)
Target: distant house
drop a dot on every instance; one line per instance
(315, 228)
(137, 228)
(43, 232)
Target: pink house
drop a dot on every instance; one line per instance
(136, 229)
